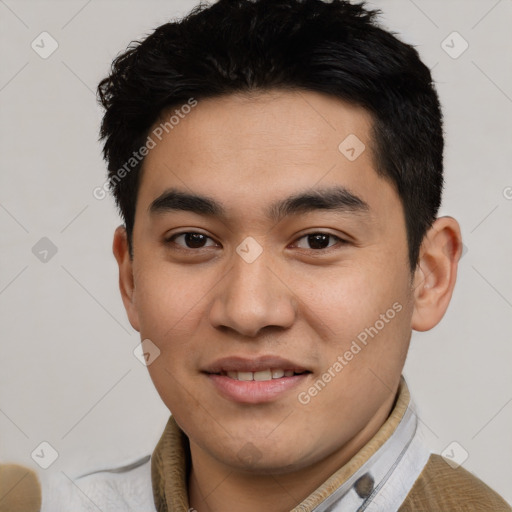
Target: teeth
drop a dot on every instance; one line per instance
(261, 375)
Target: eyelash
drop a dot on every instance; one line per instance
(340, 241)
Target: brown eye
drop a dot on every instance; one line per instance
(320, 240)
(192, 240)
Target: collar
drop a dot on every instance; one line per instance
(378, 477)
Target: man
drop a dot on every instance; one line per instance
(279, 168)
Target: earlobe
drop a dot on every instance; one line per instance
(126, 279)
(436, 273)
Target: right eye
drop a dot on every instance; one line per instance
(191, 239)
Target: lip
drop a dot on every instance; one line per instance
(257, 364)
(253, 392)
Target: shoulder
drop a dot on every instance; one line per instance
(126, 488)
(441, 487)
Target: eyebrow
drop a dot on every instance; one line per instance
(337, 198)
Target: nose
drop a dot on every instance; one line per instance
(253, 296)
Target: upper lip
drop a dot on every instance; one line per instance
(244, 364)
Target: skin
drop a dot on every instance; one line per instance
(306, 304)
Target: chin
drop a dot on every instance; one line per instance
(261, 458)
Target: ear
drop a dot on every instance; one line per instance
(436, 273)
(126, 280)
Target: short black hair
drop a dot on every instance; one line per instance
(246, 46)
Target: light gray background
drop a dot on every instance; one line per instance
(68, 375)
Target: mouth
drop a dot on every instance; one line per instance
(262, 375)
(257, 380)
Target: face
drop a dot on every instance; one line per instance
(270, 270)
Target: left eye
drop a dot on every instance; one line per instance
(319, 240)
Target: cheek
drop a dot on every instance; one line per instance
(365, 317)
(347, 300)
(168, 299)
(171, 303)
(169, 307)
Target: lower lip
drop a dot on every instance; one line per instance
(254, 391)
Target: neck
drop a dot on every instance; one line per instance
(216, 487)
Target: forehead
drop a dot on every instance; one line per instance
(248, 151)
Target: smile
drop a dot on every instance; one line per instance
(261, 376)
